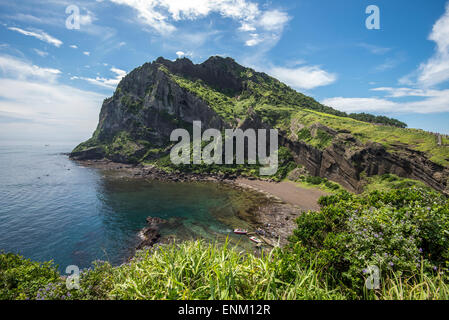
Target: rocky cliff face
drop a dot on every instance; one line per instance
(146, 107)
(347, 166)
(150, 103)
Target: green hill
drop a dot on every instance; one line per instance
(158, 97)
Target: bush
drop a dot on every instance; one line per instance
(315, 180)
(401, 231)
(22, 278)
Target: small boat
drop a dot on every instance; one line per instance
(240, 231)
(256, 240)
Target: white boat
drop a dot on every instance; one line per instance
(256, 240)
(240, 231)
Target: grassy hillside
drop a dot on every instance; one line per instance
(386, 135)
(260, 91)
(279, 105)
(274, 102)
(389, 182)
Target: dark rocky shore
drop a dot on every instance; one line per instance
(151, 172)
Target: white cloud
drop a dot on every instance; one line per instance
(245, 27)
(435, 101)
(86, 53)
(33, 105)
(406, 92)
(28, 18)
(160, 15)
(274, 20)
(39, 34)
(74, 46)
(87, 19)
(110, 83)
(41, 53)
(56, 17)
(360, 104)
(19, 69)
(120, 73)
(436, 69)
(306, 77)
(51, 111)
(181, 54)
(254, 41)
(148, 13)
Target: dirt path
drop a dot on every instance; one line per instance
(306, 199)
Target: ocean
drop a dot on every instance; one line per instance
(52, 208)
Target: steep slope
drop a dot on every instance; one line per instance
(156, 98)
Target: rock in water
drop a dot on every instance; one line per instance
(150, 235)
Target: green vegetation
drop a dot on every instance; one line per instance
(388, 182)
(273, 102)
(403, 232)
(265, 94)
(318, 182)
(285, 165)
(21, 278)
(300, 176)
(445, 140)
(366, 117)
(319, 139)
(124, 147)
(195, 270)
(398, 225)
(390, 137)
(219, 102)
(190, 270)
(132, 104)
(91, 143)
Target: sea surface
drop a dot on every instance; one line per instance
(52, 208)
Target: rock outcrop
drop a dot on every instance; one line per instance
(150, 234)
(346, 163)
(136, 122)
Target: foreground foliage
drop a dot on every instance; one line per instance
(403, 232)
(190, 270)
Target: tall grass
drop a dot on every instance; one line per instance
(196, 270)
(201, 271)
(418, 287)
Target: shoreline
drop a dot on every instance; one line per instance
(282, 202)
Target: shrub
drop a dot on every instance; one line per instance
(22, 278)
(399, 231)
(314, 180)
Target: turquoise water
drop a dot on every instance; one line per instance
(51, 208)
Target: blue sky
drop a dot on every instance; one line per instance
(53, 79)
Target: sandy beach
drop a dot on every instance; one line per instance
(289, 192)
